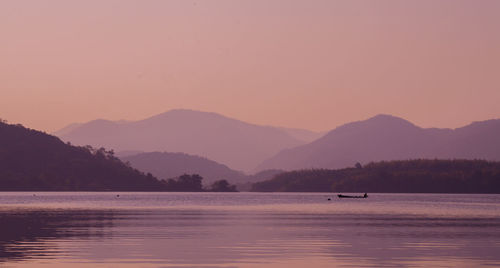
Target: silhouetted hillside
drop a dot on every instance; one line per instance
(170, 165)
(264, 175)
(414, 176)
(247, 183)
(32, 160)
(234, 143)
(385, 137)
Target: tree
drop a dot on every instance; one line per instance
(222, 186)
(185, 183)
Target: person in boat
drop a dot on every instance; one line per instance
(365, 195)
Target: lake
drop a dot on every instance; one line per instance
(66, 229)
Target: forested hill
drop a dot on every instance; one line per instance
(411, 176)
(33, 160)
(165, 165)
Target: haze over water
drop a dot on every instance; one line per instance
(248, 230)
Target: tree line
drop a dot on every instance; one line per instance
(193, 183)
(408, 176)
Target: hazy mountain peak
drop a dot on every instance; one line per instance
(101, 122)
(188, 113)
(386, 117)
(386, 137)
(67, 129)
(377, 124)
(387, 120)
(229, 141)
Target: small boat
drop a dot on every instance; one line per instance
(353, 196)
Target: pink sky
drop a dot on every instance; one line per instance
(305, 64)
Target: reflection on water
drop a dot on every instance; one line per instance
(247, 230)
(24, 232)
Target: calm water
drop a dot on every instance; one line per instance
(248, 230)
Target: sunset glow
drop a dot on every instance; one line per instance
(307, 64)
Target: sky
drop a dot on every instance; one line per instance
(305, 64)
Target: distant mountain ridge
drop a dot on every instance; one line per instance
(164, 165)
(170, 165)
(237, 144)
(386, 137)
(251, 148)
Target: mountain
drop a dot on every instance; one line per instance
(386, 137)
(170, 165)
(303, 135)
(67, 129)
(264, 175)
(122, 154)
(239, 145)
(32, 160)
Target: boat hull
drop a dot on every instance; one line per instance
(351, 196)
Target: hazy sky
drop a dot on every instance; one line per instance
(308, 64)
